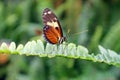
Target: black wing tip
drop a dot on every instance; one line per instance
(47, 9)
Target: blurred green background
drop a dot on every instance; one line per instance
(21, 21)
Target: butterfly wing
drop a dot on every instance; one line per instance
(50, 34)
(52, 28)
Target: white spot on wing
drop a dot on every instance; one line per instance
(55, 18)
(53, 24)
(45, 13)
(49, 12)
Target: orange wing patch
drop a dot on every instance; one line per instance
(51, 34)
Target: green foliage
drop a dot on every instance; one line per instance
(108, 40)
(70, 51)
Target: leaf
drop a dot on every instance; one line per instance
(64, 50)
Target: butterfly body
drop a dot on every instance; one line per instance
(52, 29)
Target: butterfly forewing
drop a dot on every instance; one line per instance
(52, 29)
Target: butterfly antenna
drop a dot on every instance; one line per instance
(79, 32)
(67, 35)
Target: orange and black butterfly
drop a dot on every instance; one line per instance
(52, 29)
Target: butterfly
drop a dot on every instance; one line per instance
(52, 30)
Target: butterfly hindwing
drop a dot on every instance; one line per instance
(50, 34)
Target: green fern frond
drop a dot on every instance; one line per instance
(71, 51)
